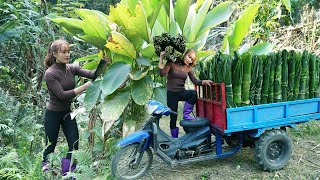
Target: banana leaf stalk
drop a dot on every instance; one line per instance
(257, 98)
(245, 88)
(312, 75)
(277, 78)
(266, 79)
(304, 75)
(284, 76)
(291, 74)
(298, 71)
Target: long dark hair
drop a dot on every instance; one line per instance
(54, 47)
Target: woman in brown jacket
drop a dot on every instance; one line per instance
(177, 72)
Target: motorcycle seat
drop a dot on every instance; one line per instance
(199, 122)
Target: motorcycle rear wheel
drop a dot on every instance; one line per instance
(122, 163)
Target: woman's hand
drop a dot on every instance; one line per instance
(82, 88)
(161, 64)
(87, 84)
(207, 82)
(162, 54)
(107, 59)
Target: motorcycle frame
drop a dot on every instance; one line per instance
(148, 136)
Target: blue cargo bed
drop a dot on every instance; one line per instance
(272, 115)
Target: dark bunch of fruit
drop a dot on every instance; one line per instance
(174, 47)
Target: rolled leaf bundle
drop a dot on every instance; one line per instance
(291, 74)
(245, 88)
(284, 76)
(304, 75)
(237, 76)
(266, 79)
(277, 78)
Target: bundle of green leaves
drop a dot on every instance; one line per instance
(174, 47)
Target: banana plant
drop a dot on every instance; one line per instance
(240, 28)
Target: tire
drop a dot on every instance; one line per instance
(124, 157)
(273, 150)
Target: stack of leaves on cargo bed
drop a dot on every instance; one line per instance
(277, 77)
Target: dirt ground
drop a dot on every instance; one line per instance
(304, 163)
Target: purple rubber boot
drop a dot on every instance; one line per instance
(175, 132)
(45, 167)
(65, 165)
(187, 109)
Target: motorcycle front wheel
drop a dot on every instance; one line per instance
(123, 163)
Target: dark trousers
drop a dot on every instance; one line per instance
(173, 99)
(52, 122)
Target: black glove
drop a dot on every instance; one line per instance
(100, 69)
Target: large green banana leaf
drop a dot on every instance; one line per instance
(148, 51)
(160, 95)
(201, 41)
(143, 61)
(241, 27)
(131, 4)
(112, 109)
(93, 92)
(83, 13)
(198, 20)
(73, 26)
(139, 23)
(120, 15)
(92, 65)
(158, 29)
(181, 11)
(94, 26)
(216, 16)
(187, 25)
(163, 19)
(114, 77)
(92, 29)
(95, 40)
(121, 58)
(141, 90)
(154, 8)
(87, 58)
(121, 45)
(262, 48)
(138, 74)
